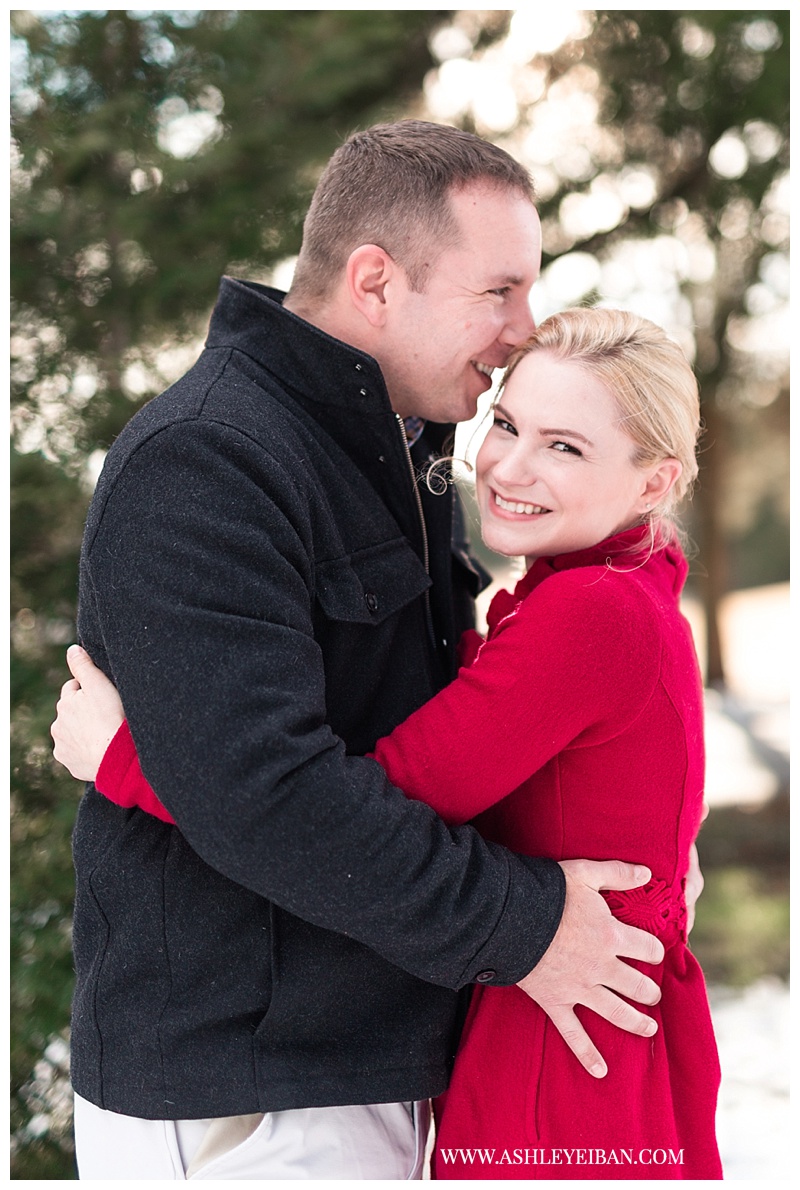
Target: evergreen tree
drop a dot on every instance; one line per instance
(153, 151)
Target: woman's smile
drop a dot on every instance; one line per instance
(516, 507)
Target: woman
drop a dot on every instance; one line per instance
(574, 729)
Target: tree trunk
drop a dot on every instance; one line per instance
(713, 547)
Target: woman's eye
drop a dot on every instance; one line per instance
(566, 448)
(502, 424)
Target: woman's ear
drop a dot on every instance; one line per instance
(660, 482)
(369, 271)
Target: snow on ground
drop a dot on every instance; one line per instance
(753, 1120)
(752, 1025)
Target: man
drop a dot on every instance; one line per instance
(268, 990)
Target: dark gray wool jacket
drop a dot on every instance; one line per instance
(253, 579)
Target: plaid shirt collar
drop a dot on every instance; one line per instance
(414, 427)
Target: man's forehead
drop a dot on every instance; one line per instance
(498, 219)
(499, 240)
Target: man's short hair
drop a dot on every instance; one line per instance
(390, 186)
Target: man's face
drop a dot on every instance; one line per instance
(439, 347)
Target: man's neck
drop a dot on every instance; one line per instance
(324, 316)
(295, 306)
(336, 318)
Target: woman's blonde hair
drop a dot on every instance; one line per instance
(649, 377)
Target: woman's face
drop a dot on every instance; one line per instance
(555, 472)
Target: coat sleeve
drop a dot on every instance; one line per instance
(198, 590)
(573, 665)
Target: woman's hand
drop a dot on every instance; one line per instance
(88, 715)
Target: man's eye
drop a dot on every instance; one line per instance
(502, 292)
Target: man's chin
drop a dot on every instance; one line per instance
(453, 414)
(448, 407)
(470, 403)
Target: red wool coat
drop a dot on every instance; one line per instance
(575, 730)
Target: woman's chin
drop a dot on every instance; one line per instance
(502, 545)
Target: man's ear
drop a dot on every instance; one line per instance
(369, 272)
(660, 482)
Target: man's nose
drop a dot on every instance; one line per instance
(519, 325)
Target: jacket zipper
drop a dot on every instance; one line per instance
(417, 497)
(421, 515)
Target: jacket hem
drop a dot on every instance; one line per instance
(346, 1091)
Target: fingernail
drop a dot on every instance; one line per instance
(599, 1070)
(74, 649)
(641, 873)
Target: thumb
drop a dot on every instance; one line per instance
(80, 664)
(610, 873)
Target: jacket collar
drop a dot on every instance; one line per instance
(327, 376)
(311, 364)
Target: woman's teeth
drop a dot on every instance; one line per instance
(516, 506)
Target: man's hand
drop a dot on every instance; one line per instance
(694, 877)
(582, 965)
(88, 716)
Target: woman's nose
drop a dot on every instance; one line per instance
(516, 468)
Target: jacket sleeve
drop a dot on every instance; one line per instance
(573, 665)
(202, 558)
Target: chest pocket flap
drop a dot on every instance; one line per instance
(370, 585)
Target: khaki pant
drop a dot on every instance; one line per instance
(385, 1140)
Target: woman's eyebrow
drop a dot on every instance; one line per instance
(544, 431)
(498, 408)
(567, 434)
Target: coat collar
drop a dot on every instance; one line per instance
(627, 552)
(310, 363)
(327, 376)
